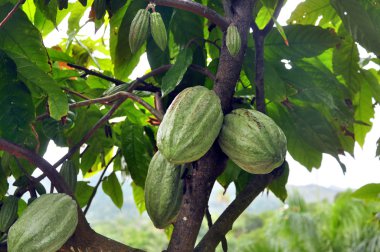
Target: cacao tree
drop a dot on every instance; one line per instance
(307, 76)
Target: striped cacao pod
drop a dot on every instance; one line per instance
(163, 191)
(253, 141)
(139, 30)
(69, 174)
(233, 40)
(158, 30)
(190, 126)
(45, 225)
(8, 213)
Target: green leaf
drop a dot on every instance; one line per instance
(361, 18)
(56, 55)
(368, 192)
(298, 147)
(364, 111)
(346, 61)
(17, 108)
(139, 197)
(112, 188)
(21, 37)
(134, 150)
(310, 11)
(83, 193)
(121, 54)
(278, 186)
(230, 174)
(48, 9)
(186, 26)
(275, 87)
(304, 41)
(33, 75)
(175, 74)
(264, 16)
(373, 79)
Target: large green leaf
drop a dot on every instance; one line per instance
(186, 26)
(175, 74)
(83, 192)
(121, 54)
(139, 197)
(298, 147)
(361, 18)
(48, 9)
(230, 174)
(112, 188)
(311, 11)
(21, 37)
(278, 186)
(33, 75)
(364, 111)
(346, 61)
(134, 149)
(304, 41)
(17, 108)
(368, 192)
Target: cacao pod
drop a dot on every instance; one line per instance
(190, 126)
(69, 174)
(99, 6)
(139, 30)
(163, 191)
(233, 40)
(45, 225)
(158, 30)
(8, 213)
(253, 141)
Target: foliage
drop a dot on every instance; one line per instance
(307, 75)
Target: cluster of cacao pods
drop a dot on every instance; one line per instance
(139, 29)
(192, 123)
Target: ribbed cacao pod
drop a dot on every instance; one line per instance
(69, 174)
(190, 126)
(163, 191)
(99, 6)
(45, 225)
(233, 40)
(8, 213)
(139, 30)
(253, 141)
(158, 30)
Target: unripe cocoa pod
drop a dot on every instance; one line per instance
(163, 191)
(233, 40)
(69, 174)
(139, 30)
(158, 30)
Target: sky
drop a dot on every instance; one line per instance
(362, 169)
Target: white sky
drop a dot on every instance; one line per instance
(362, 169)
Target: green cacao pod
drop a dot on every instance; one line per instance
(8, 213)
(139, 30)
(163, 191)
(233, 40)
(158, 30)
(45, 225)
(69, 174)
(253, 141)
(190, 126)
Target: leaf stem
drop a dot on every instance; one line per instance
(10, 14)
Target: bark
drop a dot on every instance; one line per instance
(208, 168)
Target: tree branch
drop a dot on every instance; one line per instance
(13, 11)
(268, 27)
(95, 73)
(195, 8)
(210, 166)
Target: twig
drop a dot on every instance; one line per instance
(110, 99)
(76, 94)
(95, 73)
(195, 8)
(89, 133)
(98, 183)
(268, 27)
(10, 14)
(209, 223)
(39, 162)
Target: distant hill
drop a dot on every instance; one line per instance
(103, 209)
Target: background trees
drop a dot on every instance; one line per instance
(307, 76)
